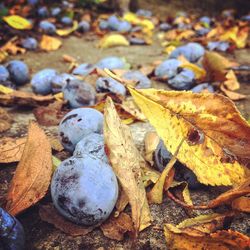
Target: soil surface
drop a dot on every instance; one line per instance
(41, 235)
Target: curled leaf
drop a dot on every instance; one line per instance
(113, 40)
(32, 177)
(66, 32)
(17, 22)
(49, 43)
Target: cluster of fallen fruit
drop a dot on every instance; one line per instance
(85, 195)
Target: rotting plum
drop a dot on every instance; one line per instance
(77, 124)
(79, 93)
(108, 84)
(47, 27)
(19, 72)
(143, 81)
(192, 52)
(84, 190)
(41, 81)
(168, 68)
(12, 235)
(111, 62)
(92, 144)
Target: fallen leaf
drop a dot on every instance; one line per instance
(18, 22)
(49, 43)
(125, 160)
(25, 99)
(113, 40)
(5, 90)
(49, 214)
(147, 69)
(50, 115)
(55, 162)
(66, 32)
(151, 141)
(215, 132)
(234, 96)
(216, 65)
(242, 204)
(231, 81)
(5, 120)
(203, 232)
(11, 149)
(33, 173)
(115, 227)
(156, 193)
(11, 48)
(56, 144)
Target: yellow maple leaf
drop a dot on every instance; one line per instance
(215, 132)
(17, 22)
(113, 40)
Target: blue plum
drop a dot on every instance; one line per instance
(103, 25)
(77, 124)
(218, 45)
(183, 80)
(143, 82)
(168, 68)
(111, 62)
(19, 72)
(165, 27)
(12, 235)
(43, 11)
(55, 11)
(79, 93)
(59, 80)
(144, 13)
(4, 74)
(83, 69)
(206, 20)
(92, 144)
(47, 27)
(41, 81)
(203, 87)
(29, 43)
(67, 21)
(83, 26)
(108, 84)
(192, 51)
(84, 190)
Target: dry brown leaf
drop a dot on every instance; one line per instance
(49, 214)
(33, 173)
(216, 66)
(122, 202)
(25, 99)
(203, 232)
(151, 141)
(147, 69)
(5, 120)
(49, 43)
(215, 137)
(231, 82)
(69, 59)
(50, 115)
(56, 144)
(234, 96)
(11, 48)
(11, 149)
(125, 160)
(115, 227)
(242, 204)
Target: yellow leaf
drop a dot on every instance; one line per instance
(55, 162)
(203, 232)
(66, 32)
(17, 22)
(184, 193)
(113, 40)
(156, 193)
(59, 96)
(50, 43)
(199, 72)
(5, 90)
(231, 81)
(126, 163)
(215, 132)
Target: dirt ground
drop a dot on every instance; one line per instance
(41, 235)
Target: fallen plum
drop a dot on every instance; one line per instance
(84, 190)
(111, 62)
(47, 27)
(77, 124)
(143, 82)
(108, 84)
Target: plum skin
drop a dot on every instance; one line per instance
(84, 190)
(77, 124)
